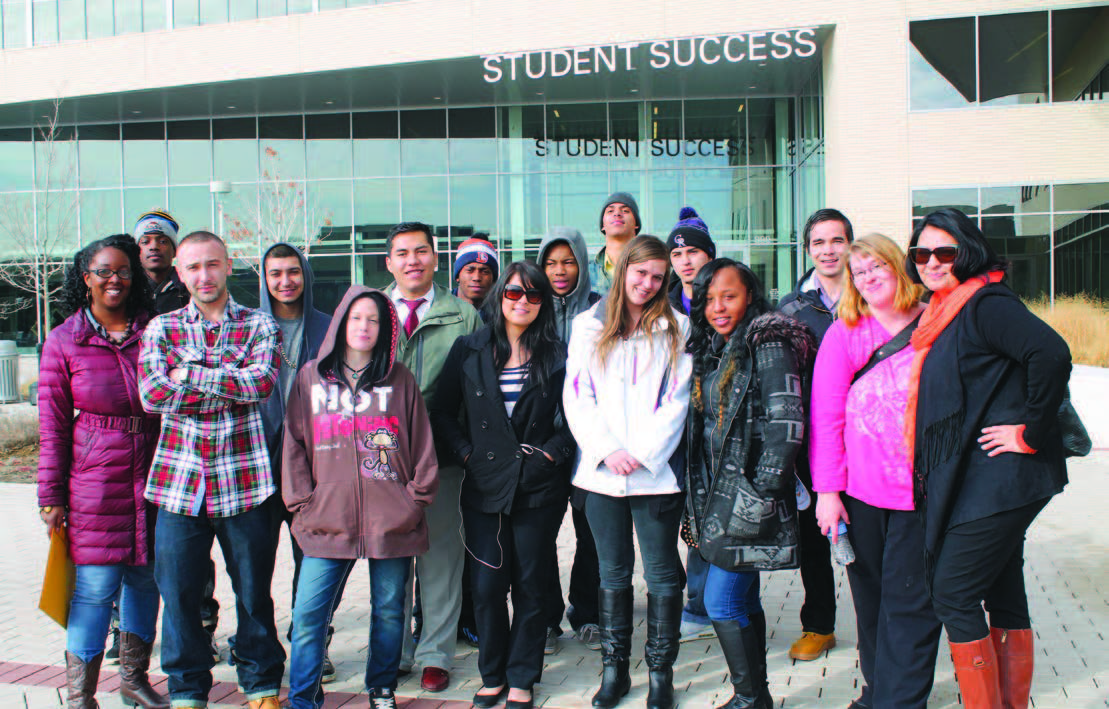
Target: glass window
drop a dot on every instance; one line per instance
(1026, 242)
(15, 24)
(333, 4)
(56, 159)
(144, 154)
(244, 10)
(101, 214)
(1082, 197)
(1080, 54)
(942, 63)
(1015, 198)
(237, 217)
(297, 7)
(666, 134)
(473, 143)
(376, 209)
(128, 16)
(962, 198)
(329, 212)
(191, 207)
(1012, 58)
(272, 8)
(770, 139)
(140, 200)
(576, 132)
(153, 15)
(523, 208)
(186, 13)
(575, 200)
(15, 230)
(423, 142)
(57, 215)
(71, 18)
(331, 277)
(282, 208)
(17, 159)
(235, 150)
(424, 199)
(329, 146)
(522, 144)
(100, 155)
(190, 152)
(376, 148)
(720, 198)
(281, 147)
(45, 16)
(101, 18)
(628, 153)
(473, 204)
(1082, 254)
(213, 11)
(665, 200)
(715, 130)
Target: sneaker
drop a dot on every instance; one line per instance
(811, 645)
(692, 630)
(328, 669)
(550, 645)
(468, 636)
(111, 657)
(590, 635)
(382, 698)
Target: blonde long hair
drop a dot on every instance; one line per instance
(618, 324)
(852, 307)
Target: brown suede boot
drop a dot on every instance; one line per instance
(977, 673)
(1015, 660)
(80, 681)
(134, 684)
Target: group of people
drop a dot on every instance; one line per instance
(440, 436)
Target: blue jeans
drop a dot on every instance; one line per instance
(732, 595)
(90, 610)
(655, 519)
(318, 589)
(183, 548)
(696, 571)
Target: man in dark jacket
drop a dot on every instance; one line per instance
(286, 286)
(828, 235)
(156, 233)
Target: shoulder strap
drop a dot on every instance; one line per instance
(899, 342)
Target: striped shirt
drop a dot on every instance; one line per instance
(512, 383)
(212, 450)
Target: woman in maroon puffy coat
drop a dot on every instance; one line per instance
(97, 443)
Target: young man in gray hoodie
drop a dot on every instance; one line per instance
(563, 257)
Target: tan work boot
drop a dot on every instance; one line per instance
(265, 703)
(810, 646)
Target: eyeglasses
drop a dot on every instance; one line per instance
(106, 273)
(514, 293)
(878, 267)
(943, 254)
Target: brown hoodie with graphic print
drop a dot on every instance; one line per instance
(358, 468)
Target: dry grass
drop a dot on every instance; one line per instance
(1084, 324)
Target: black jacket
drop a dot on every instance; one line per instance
(807, 307)
(171, 295)
(675, 295)
(468, 416)
(744, 511)
(996, 363)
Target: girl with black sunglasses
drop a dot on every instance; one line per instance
(517, 451)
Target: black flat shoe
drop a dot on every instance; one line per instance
(488, 701)
(519, 704)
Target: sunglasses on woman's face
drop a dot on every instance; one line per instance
(943, 254)
(514, 293)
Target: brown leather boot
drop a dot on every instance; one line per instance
(977, 673)
(134, 684)
(80, 681)
(1015, 660)
(266, 703)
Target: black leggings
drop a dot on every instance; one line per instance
(983, 560)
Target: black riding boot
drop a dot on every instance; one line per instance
(762, 686)
(741, 650)
(80, 680)
(664, 617)
(615, 611)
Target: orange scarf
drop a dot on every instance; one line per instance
(937, 316)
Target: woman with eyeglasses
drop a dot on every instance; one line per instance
(985, 387)
(863, 475)
(498, 409)
(626, 394)
(96, 447)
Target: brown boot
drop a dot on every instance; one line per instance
(266, 703)
(134, 684)
(80, 681)
(1015, 660)
(977, 673)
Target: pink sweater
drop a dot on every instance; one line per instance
(857, 443)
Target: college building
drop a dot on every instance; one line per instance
(324, 122)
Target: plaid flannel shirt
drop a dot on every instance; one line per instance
(212, 450)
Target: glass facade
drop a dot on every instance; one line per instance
(1056, 237)
(1015, 58)
(336, 182)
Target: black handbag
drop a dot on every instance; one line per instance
(1076, 440)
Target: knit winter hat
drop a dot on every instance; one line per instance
(691, 231)
(476, 251)
(157, 223)
(628, 201)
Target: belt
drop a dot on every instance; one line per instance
(130, 424)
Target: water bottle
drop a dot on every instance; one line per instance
(842, 550)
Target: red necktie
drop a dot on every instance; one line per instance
(413, 319)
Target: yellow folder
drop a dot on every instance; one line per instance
(59, 579)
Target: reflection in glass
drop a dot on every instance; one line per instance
(101, 214)
(376, 148)
(331, 276)
(720, 197)
(423, 144)
(628, 153)
(57, 217)
(1025, 241)
(1012, 61)
(770, 137)
(424, 199)
(520, 130)
(473, 144)
(1082, 197)
(192, 208)
(665, 126)
(942, 63)
(144, 154)
(664, 195)
(1015, 198)
(45, 16)
(1082, 254)
(329, 146)
(523, 216)
(137, 201)
(1080, 54)
(100, 156)
(15, 232)
(190, 162)
(575, 200)
(329, 213)
(376, 209)
(473, 202)
(716, 129)
(577, 137)
(964, 199)
(16, 159)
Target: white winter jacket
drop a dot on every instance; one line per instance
(626, 405)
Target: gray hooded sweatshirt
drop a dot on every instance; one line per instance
(582, 297)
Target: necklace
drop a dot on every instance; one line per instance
(123, 336)
(281, 351)
(354, 371)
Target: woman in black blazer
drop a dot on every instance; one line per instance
(498, 408)
(982, 422)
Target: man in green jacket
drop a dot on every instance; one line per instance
(431, 320)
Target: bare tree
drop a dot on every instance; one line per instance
(279, 211)
(39, 226)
